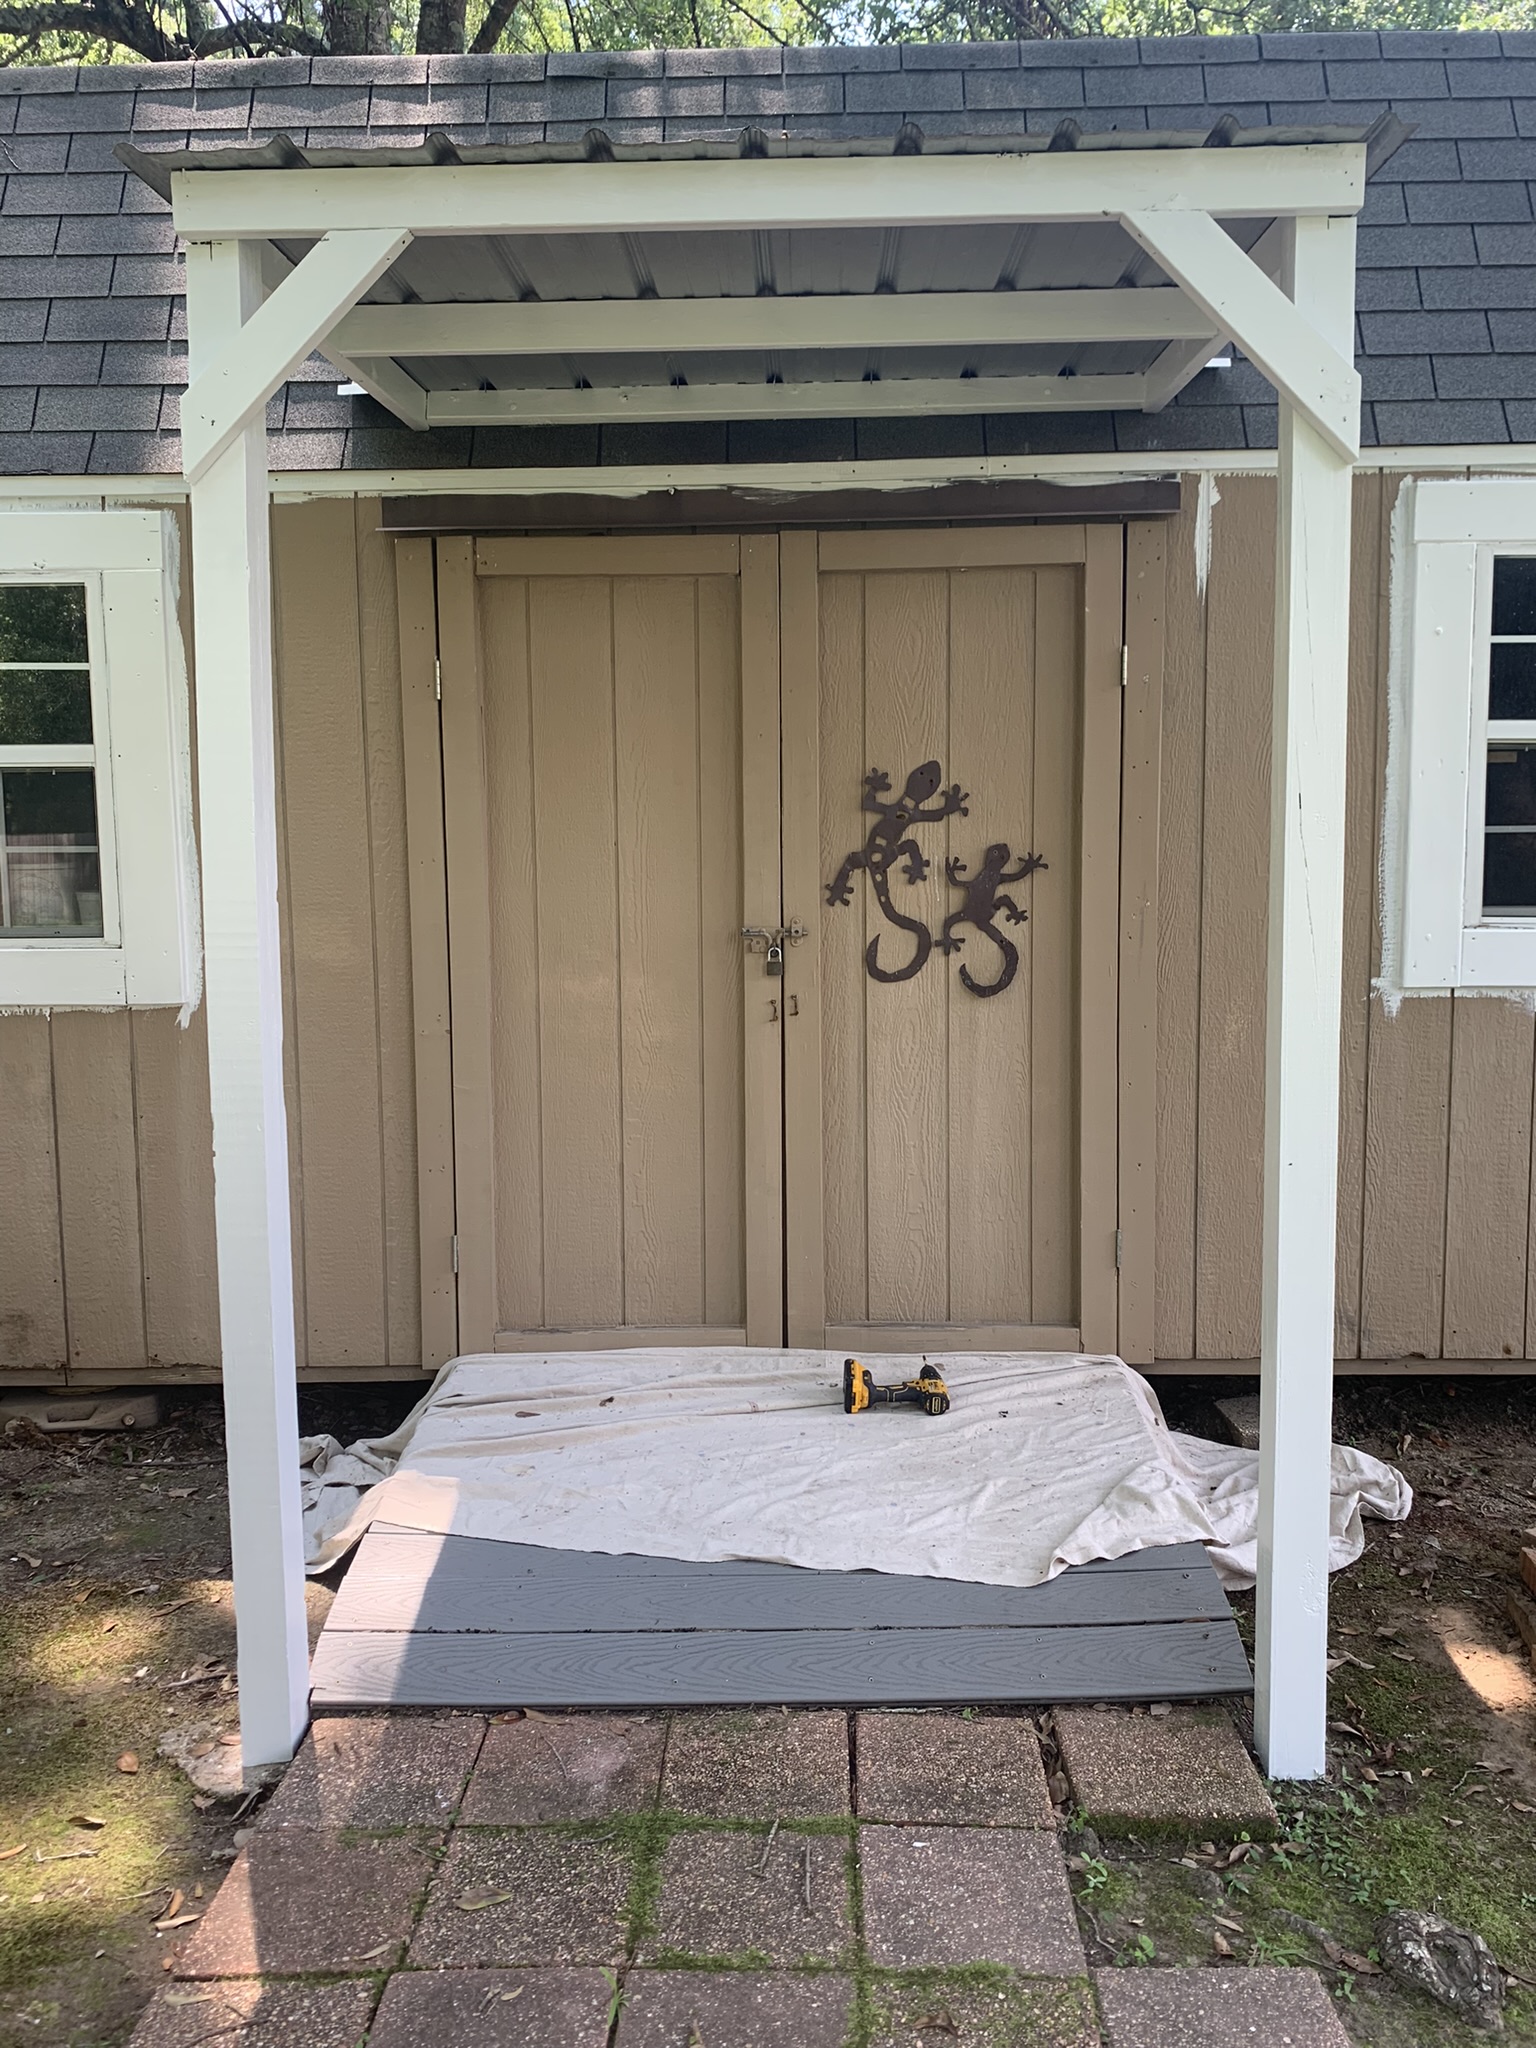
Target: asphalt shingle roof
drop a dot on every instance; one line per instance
(92, 325)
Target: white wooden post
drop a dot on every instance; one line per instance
(1306, 916)
(232, 612)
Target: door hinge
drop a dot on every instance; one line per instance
(1125, 666)
(1119, 1248)
(456, 1252)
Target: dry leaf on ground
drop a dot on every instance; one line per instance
(476, 1902)
(128, 1763)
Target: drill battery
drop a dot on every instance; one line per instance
(861, 1393)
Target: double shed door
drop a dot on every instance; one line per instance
(651, 743)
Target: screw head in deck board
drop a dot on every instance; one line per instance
(1261, 2007)
(257, 2015)
(735, 2009)
(565, 1767)
(1018, 2015)
(747, 1766)
(940, 1898)
(494, 2009)
(742, 1894)
(1136, 1774)
(942, 1769)
(384, 1771)
(311, 1904)
(525, 1895)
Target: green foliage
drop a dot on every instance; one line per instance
(107, 32)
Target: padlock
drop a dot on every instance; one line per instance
(775, 961)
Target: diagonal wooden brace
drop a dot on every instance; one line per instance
(1244, 303)
(278, 337)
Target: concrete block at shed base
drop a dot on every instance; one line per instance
(1237, 1419)
(58, 1414)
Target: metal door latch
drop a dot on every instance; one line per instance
(770, 942)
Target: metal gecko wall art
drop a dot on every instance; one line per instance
(890, 842)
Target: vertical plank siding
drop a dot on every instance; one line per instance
(1436, 1235)
(106, 1171)
(108, 1267)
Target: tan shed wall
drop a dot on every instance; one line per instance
(106, 1234)
(1434, 1243)
(106, 1182)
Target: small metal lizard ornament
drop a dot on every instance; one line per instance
(981, 906)
(888, 839)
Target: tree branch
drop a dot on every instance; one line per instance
(490, 31)
(105, 22)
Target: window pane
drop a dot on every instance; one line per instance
(44, 622)
(1509, 873)
(1511, 786)
(52, 707)
(52, 865)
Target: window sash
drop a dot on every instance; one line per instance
(1484, 735)
(97, 756)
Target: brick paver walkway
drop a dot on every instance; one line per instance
(734, 1880)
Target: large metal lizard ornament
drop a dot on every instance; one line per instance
(889, 839)
(980, 907)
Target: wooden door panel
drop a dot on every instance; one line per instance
(949, 1158)
(612, 843)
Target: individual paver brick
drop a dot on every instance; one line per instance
(1261, 2008)
(568, 1767)
(396, 1771)
(494, 2009)
(939, 1898)
(251, 2014)
(744, 1766)
(1140, 1773)
(553, 1897)
(1018, 2015)
(310, 1902)
(742, 1893)
(940, 1768)
(734, 2009)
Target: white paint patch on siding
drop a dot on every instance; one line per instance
(1206, 500)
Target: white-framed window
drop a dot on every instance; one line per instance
(98, 880)
(1459, 870)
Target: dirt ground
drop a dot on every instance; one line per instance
(116, 1628)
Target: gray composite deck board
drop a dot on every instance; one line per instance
(724, 1667)
(424, 1620)
(409, 1579)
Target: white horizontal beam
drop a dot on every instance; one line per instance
(1244, 303)
(844, 320)
(280, 333)
(761, 193)
(893, 395)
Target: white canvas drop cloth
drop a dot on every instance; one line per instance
(1044, 1461)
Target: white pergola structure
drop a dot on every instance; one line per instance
(381, 261)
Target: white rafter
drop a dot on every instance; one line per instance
(848, 400)
(842, 320)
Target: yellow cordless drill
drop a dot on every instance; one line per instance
(860, 1392)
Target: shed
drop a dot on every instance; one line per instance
(604, 485)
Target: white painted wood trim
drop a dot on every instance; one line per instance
(236, 382)
(826, 320)
(1514, 463)
(148, 954)
(1306, 368)
(1178, 365)
(1301, 1089)
(890, 395)
(232, 605)
(809, 192)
